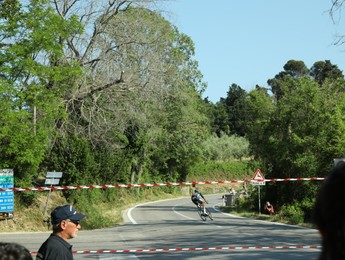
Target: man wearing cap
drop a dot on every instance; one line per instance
(66, 223)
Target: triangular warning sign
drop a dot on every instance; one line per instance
(258, 176)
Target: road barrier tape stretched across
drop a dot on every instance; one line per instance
(166, 250)
(107, 186)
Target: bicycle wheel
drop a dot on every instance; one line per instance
(209, 214)
(201, 214)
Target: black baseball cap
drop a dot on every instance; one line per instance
(65, 212)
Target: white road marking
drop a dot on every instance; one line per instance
(185, 216)
(129, 215)
(182, 215)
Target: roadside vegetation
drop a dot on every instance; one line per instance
(287, 215)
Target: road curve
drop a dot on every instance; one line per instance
(172, 228)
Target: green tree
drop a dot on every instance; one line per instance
(296, 69)
(235, 106)
(303, 135)
(292, 70)
(31, 82)
(220, 119)
(143, 86)
(80, 80)
(322, 70)
(258, 110)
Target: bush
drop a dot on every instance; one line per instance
(307, 206)
(245, 205)
(292, 213)
(226, 148)
(221, 170)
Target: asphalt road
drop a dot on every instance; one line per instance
(172, 228)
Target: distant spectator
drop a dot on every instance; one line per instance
(329, 214)
(269, 208)
(232, 191)
(14, 251)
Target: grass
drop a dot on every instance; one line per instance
(255, 215)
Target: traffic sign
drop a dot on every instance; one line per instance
(52, 181)
(53, 178)
(259, 177)
(56, 175)
(6, 197)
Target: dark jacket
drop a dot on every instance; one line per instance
(55, 248)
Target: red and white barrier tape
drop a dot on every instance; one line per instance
(107, 186)
(165, 250)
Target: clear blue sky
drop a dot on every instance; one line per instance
(249, 42)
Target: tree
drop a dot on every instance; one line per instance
(302, 136)
(292, 70)
(258, 109)
(220, 123)
(322, 70)
(296, 69)
(234, 102)
(84, 78)
(156, 93)
(30, 49)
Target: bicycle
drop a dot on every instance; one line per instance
(201, 213)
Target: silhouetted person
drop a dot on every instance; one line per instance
(329, 214)
(14, 251)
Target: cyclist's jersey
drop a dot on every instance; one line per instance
(196, 195)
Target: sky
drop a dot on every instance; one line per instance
(249, 42)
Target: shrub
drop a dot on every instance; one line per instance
(226, 148)
(221, 170)
(293, 213)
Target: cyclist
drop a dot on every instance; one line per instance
(196, 198)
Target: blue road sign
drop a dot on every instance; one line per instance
(6, 197)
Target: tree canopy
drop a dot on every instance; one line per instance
(105, 91)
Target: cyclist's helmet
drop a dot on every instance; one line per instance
(196, 191)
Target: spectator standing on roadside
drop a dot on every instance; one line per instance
(329, 214)
(269, 208)
(66, 223)
(14, 251)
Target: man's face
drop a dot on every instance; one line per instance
(69, 228)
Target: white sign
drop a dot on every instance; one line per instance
(56, 175)
(53, 178)
(258, 182)
(52, 182)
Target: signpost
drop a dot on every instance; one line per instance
(259, 180)
(52, 178)
(6, 197)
